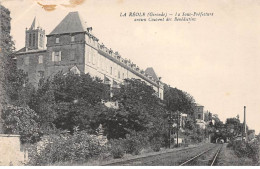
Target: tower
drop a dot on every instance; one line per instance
(35, 37)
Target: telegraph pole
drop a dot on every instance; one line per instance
(170, 127)
(177, 128)
(244, 133)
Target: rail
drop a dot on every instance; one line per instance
(213, 161)
(164, 155)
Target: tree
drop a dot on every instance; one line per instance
(71, 87)
(69, 100)
(6, 64)
(178, 100)
(22, 121)
(139, 110)
(233, 127)
(18, 88)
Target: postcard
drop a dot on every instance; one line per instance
(129, 83)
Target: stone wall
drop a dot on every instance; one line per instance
(10, 148)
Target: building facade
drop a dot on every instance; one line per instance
(199, 113)
(71, 46)
(200, 116)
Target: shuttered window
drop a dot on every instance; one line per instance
(56, 56)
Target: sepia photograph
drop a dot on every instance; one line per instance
(129, 83)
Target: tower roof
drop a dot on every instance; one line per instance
(152, 73)
(70, 24)
(35, 24)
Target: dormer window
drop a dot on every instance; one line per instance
(57, 40)
(72, 38)
(110, 51)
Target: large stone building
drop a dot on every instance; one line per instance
(71, 46)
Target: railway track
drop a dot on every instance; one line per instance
(213, 162)
(211, 153)
(173, 157)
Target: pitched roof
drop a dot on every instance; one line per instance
(28, 50)
(152, 73)
(70, 24)
(198, 105)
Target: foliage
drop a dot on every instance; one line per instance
(246, 149)
(117, 148)
(17, 87)
(69, 100)
(233, 127)
(135, 90)
(43, 103)
(134, 143)
(196, 135)
(79, 147)
(178, 100)
(139, 110)
(70, 87)
(156, 144)
(78, 114)
(22, 121)
(7, 65)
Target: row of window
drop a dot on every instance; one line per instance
(100, 62)
(72, 39)
(103, 63)
(27, 60)
(118, 73)
(57, 56)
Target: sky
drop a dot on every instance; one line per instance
(215, 58)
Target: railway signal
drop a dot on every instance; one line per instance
(173, 121)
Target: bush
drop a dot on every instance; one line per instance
(22, 121)
(253, 150)
(132, 144)
(78, 147)
(246, 149)
(156, 144)
(117, 148)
